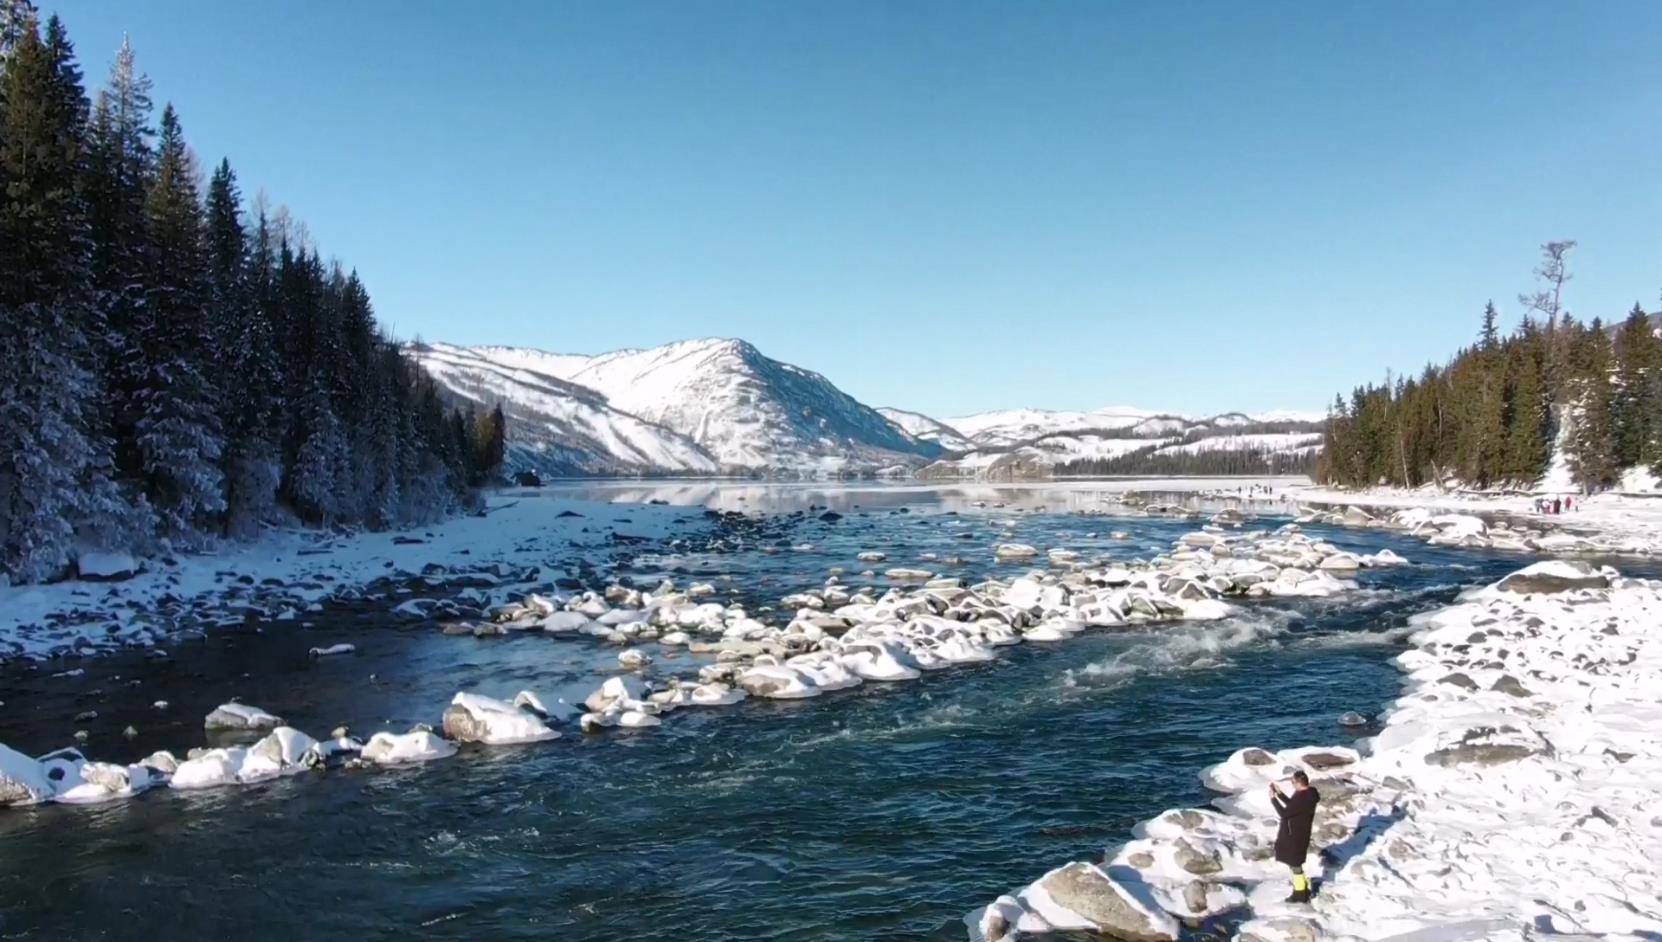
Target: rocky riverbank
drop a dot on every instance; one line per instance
(1509, 793)
(521, 542)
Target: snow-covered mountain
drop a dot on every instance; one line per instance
(1033, 443)
(723, 404)
(923, 428)
(1014, 426)
(704, 407)
(1017, 426)
(555, 427)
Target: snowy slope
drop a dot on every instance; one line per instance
(748, 411)
(1035, 459)
(999, 453)
(1283, 442)
(1014, 426)
(923, 428)
(1018, 426)
(555, 427)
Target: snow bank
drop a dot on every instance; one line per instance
(1510, 793)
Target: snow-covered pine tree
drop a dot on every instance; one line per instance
(121, 162)
(123, 302)
(55, 488)
(177, 429)
(16, 18)
(243, 338)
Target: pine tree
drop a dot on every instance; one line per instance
(55, 486)
(1635, 362)
(121, 163)
(1593, 448)
(490, 446)
(1527, 432)
(177, 430)
(240, 331)
(17, 18)
(1489, 337)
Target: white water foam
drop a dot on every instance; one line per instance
(1198, 647)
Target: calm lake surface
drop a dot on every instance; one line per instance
(880, 812)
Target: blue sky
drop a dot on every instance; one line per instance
(947, 206)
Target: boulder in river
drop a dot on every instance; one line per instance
(241, 716)
(474, 718)
(417, 745)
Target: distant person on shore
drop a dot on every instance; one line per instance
(1557, 506)
(1292, 839)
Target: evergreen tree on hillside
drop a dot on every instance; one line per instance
(1593, 449)
(243, 336)
(1636, 361)
(165, 370)
(490, 446)
(176, 429)
(55, 486)
(1528, 439)
(118, 179)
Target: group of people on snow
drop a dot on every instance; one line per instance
(1554, 505)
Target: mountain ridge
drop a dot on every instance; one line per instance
(719, 405)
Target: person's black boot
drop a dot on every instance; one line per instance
(1299, 896)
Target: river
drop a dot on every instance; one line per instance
(884, 811)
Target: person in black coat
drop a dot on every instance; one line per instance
(1292, 839)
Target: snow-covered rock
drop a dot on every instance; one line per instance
(472, 717)
(241, 716)
(211, 768)
(418, 745)
(22, 779)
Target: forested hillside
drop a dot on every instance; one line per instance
(1491, 415)
(175, 367)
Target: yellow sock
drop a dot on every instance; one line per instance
(1301, 883)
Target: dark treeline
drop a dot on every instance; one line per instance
(173, 367)
(1154, 460)
(1490, 416)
